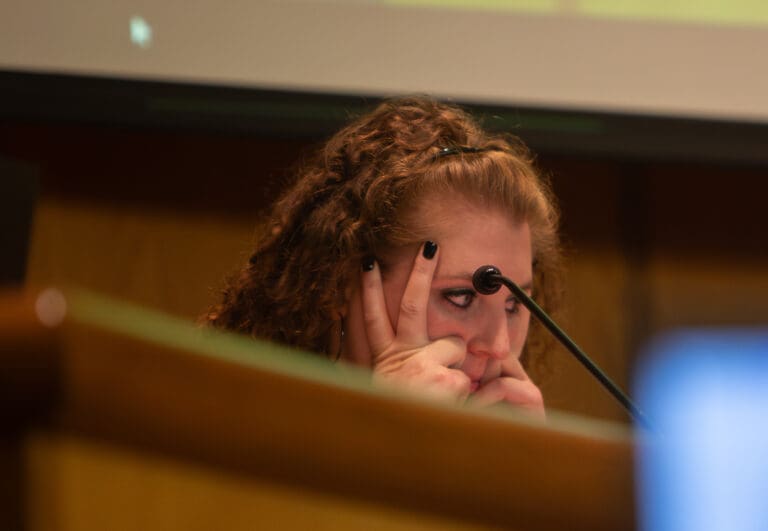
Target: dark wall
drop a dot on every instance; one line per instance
(159, 215)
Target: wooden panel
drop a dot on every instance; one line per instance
(141, 379)
(78, 484)
(170, 260)
(714, 292)
(596, 318)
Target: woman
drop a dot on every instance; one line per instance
(368, 257)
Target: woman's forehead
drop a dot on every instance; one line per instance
(444, 214)
(470, 236)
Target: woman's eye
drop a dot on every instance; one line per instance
(513, 306)
(460, 298)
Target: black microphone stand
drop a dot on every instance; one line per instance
(488, 280)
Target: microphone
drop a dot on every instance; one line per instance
(487, 280)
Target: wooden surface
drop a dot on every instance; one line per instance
(135, 385)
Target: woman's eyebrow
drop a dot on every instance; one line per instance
(528, 286)
(455, 277)
(467, 276)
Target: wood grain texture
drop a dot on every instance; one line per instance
(339, 440)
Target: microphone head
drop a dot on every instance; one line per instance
(486, 281)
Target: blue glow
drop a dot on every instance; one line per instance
(706, 465)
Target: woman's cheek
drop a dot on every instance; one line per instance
(520, 332)
(441, 322)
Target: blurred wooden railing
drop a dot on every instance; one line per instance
(115, 415)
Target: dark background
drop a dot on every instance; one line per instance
(151, 192)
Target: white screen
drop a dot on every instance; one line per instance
(671, 58)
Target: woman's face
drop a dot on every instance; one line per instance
(492, 327)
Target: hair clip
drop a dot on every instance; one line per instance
(455, 150)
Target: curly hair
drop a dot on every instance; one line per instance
(357, 198)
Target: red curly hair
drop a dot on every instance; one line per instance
(357, 197)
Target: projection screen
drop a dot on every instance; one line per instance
(666, 58)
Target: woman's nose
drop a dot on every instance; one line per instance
(493, 337)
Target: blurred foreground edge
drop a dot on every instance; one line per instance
(118, 416)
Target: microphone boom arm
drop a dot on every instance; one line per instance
(488, 280)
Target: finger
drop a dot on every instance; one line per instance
(512, 367)
(416, 364)
(445, 351)
(452, 383)
(491, 393)
(412, 318)
(377, 325)
(445, 384)
(512, 391)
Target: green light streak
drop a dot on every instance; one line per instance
(155, 327)
(532, 121)
(525, 6)
(253, 109)
(708, 12)
(714, 12)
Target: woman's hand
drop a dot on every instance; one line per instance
(405, 356)
(512, 387)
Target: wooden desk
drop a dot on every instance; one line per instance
(123, 418)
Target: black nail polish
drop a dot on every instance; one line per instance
(430, 248)
(368, 263)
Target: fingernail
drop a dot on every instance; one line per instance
(430, 248)
(368, 263)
